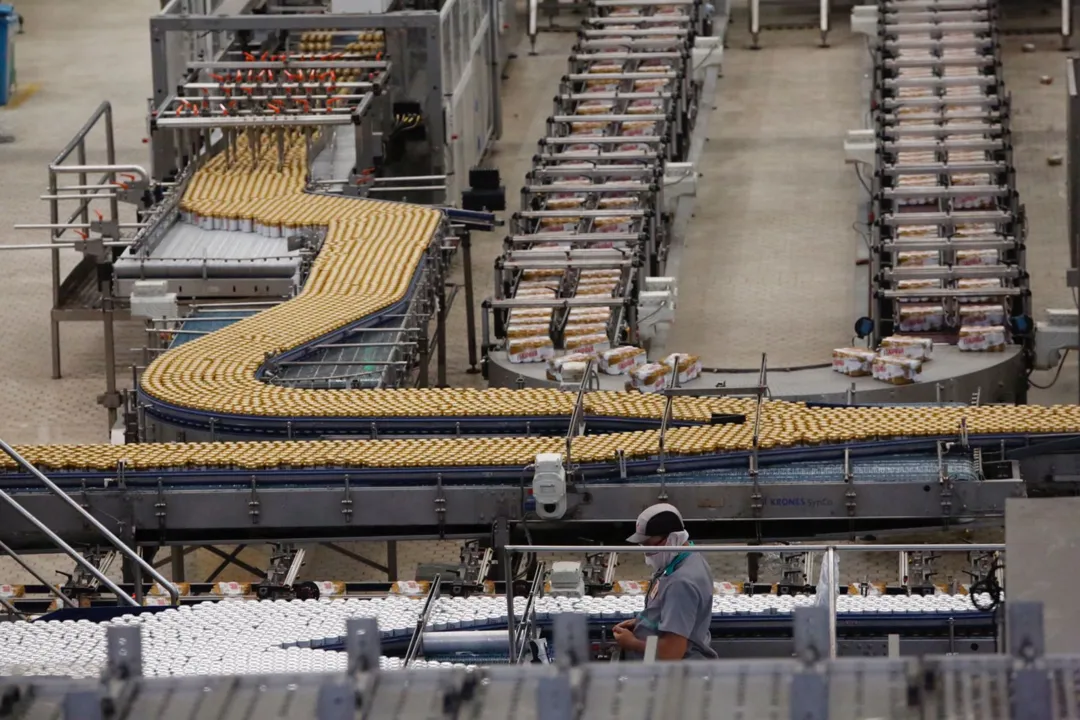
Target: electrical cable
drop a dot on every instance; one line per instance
(865, 235)
(862, 181)
(1057, 373)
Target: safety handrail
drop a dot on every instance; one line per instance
(528, 619)
(30, 569)
(831, 552)
(421, 622)
(120, 545)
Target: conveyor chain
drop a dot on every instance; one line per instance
(948, 228)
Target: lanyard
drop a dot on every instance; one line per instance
(673, 565)
(669, 569)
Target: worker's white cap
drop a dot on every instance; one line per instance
(657, 521)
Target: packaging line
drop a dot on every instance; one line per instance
(593, 224)
(947, 260)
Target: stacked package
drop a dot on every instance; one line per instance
(946, 213)
(622, 111)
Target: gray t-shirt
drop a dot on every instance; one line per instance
(681, 603)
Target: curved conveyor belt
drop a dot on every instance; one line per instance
(372, 253)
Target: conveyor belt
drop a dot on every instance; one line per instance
(948, 259)
(372, 253)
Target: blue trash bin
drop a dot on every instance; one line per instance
(9, 25)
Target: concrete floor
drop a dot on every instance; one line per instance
(771, 248)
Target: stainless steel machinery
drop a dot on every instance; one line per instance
(593, 224)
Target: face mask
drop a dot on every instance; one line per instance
(657, 561)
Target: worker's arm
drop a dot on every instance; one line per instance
(683, 603)
(671, 647)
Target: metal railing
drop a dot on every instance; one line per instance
(120, 545)
(829, 561)
(106, 228)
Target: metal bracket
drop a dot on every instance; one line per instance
(811, 631)
(107, 228)
(253, 503)
(124, 652)
(946, 499)
(92, 246)
(554, 698)
(1025, 630)
(160, 507)
(347, 503)
(362, 645)
(337, 701)
(440, 506)
(757, 503)
(110, 400)
(572, 640)
(810, 697)
(849, 481)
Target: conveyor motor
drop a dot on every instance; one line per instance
(549, 486)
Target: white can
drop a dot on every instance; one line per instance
(234, 224)
(206, 222)
(275, 231)
(245, 224)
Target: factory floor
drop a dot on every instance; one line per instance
(768, 265)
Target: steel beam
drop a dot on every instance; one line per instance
(209, 512)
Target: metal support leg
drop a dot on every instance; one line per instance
(391, 560)
(440, 329)
(1066, 25)
(111, 399)
(824, 22)
(755, 24)
(830, 561)
(54, 324)
(533, 25)
(470, 308)
(425, 356)
(177, 564)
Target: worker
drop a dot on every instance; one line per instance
(678, 606)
